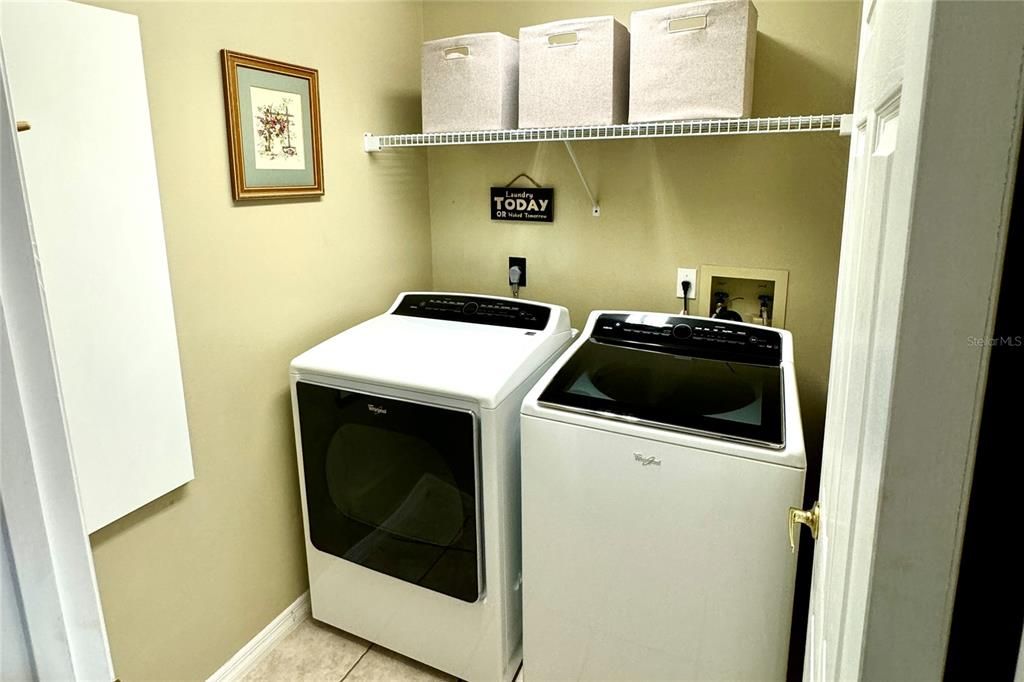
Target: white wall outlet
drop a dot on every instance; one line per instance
(686, 275)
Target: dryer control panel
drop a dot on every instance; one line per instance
(696, 336)
(475, 309)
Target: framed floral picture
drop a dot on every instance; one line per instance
(273, 117)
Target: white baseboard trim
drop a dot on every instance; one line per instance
(246, 658)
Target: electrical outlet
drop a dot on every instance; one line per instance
(686, 275)
(521, 262)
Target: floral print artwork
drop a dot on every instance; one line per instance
(277, 129)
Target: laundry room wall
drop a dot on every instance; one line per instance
(762, 201)
(190, 578)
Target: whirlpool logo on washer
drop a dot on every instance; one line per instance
(646, 460)
(376, 409)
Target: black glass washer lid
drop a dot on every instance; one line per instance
(719, 398)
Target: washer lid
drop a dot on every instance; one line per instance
(639, 371)
(478, 360)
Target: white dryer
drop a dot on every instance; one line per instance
(660, 457)
(407, 431)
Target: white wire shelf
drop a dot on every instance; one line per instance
(817, 123)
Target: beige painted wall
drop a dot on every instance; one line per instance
(760, 201)
(189, 579)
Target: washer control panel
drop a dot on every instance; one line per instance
(697, 336)
(497, 312)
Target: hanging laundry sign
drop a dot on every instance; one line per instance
(528, 204)
(535, 205)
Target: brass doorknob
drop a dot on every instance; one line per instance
(808, 518)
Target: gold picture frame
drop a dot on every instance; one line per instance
(273, 119)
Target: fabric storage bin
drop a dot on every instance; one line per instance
(692, 61)
(470, 83)
(573, 72)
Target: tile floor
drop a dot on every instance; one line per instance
(315, 652)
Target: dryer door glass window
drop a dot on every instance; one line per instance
(392, 485)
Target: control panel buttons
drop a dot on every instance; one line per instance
(699, 336)
(475, 310)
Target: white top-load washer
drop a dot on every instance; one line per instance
(660, 457)
(407, 431)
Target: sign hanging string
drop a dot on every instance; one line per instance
(523, 175)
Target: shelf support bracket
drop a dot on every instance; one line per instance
(371, 143)
(595, 208)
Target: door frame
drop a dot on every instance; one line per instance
(969, 139)
(38, 487)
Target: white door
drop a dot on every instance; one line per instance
(935, 133)
(76, 74)
(53, 625)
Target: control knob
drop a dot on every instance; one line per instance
(682, 331)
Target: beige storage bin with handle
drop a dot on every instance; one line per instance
(470, 82)
(692, 61)
(573, 72)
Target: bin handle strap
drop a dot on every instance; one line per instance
(456, 52)
(563, 39)
(697, 22)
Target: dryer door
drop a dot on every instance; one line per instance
(392, 485)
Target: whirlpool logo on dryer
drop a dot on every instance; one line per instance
(376, 409)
